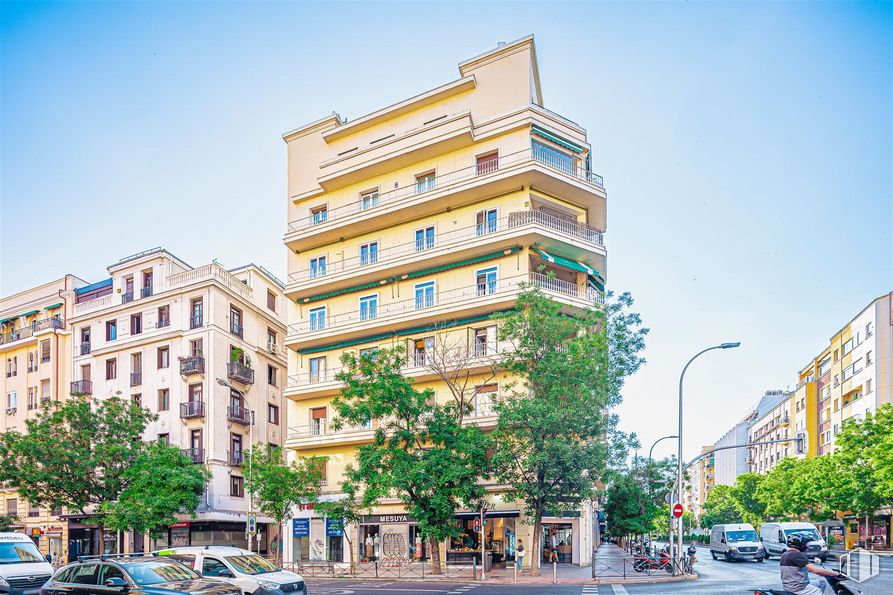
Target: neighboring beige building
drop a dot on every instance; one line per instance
(771, 421)
(35, 347)
(410, 226)
(165, 334)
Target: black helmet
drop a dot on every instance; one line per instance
(797, 542)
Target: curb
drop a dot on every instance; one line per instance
(505, 581)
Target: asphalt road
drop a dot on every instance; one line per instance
(717, 577)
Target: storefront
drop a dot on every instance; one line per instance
(499, 535)
(386, 537)
(316, 538)
(187, 533)
(875, 536)
(84, 536)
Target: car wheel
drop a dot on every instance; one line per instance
(766, 555)
(760, 559)
(728, 557)
(712, 553)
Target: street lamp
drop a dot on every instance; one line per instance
(227, 384)
(650, 450)
(678, 556)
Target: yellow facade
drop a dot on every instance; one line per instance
(35, 347)
(412, 225)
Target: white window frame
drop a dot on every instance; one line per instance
(425, 182)
(425, 245)
(375, 195)
(325, 267)
(313, 211)
(482, 229)
(489, 288)
(424, 286)
(367, 245)
(371, 298)
(313, 314)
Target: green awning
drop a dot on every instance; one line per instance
(413, 275)
(596, 283)
(31, 313)
(574, 265)
(556, 139)
(54, 306)
(5, 320)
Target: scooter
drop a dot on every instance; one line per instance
(643, 563)
(839, 586)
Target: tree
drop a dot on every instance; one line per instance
(161, 482)
(721, 507)
(75, 454)
(745, 493)
(8, 522)
(278, 487)
(420, 453)
(347, 508)
(551, 437)
(629, 509)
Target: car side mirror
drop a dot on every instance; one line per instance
(116, 582)
(224, 573)
(723, 540)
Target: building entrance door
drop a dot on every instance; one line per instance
(558, 543)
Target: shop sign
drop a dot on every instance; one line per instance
(300, 527)
(36, 531)
(334, 527)
(308, 505)
(379, 519)
(180, 525)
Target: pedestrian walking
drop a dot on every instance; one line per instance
(553, 553)
(519, 555)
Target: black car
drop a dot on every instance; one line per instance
(132, 575)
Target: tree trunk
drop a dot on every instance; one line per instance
(100, 546)
(536, 554)
(436, 567)
(350, 552)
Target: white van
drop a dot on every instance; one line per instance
(737, 541)
(775, 539)
(23, 569)
(248, 571)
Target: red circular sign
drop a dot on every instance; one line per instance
(677, 510)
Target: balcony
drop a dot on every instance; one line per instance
(236, 329)
(464, 186)
(469, 300)
(126, 297)
(235, 458)
(136, 378)
(240, 373)
(28, 331)
(314, 435)
(196, 455)
(239, 415)
(192, 409)
(192, 365)
(83, 387)
(85, 348)
(195, 322)
(162, 323)
(579, 240)
(146, 292)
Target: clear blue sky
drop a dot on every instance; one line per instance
(746, 149)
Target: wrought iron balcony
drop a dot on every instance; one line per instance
(235, 458)
(27, 331)
(84, 387)
(240, 373)
(163, 323)
(192, 365)
(192, 409)
(127, 297)
(146, 292)
(85, 347)
(136, 378)
(196, 455)
(236, 329)
(239, 415)
(195, 322)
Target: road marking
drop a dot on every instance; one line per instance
(619, 590)
(590, 590)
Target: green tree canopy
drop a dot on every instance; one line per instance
(721, 507)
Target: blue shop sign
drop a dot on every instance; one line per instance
(300, 527)
(334, 527)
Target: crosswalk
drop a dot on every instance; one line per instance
(609, 589)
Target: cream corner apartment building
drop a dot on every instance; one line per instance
(170, 337)
(410, 226)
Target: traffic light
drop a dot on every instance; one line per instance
(800, 445)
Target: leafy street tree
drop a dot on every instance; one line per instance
(629, 508)
(348, 509)
(721, 507)
(550, 443)
(278, 487)
(797, 488)
(8, 522)
(75, 455)
(420, 453)
(745, 491)
(161, 482)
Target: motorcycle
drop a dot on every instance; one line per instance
(842, 585)
(641, 563)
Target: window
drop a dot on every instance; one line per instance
(137, 399)
(421, 348)
(424, 182)
(424, 295)
(424, 238)
(164, 438)
(44, 351)
(852, 369)
(368, 307)
(236, 355)
(487, 163)
(272, 375)
(825, 366)
(45, 390)
(836, 380)
(111, 330)
(484, 341)
(164, 316)
(111, 369)
(868, 386)
(319, 215)
(210, 566)
(369, 253)
(164, 357)
(273, 414)
(369, 353)
(868, 358)
(486, 281)
(195, 348)
(836, 429)
(869, 329)
(836, 405)
(33, 402)
(197, 309)
(553, 157)
(164, 399)
(271, 301)
(323, 466)
(318, 421)
(486, 221)
(318, 319)
(836, 355)
(485, 399)
(32, 363)
(271, 340)
(136, 369)
(136, 324)
(317, 267)
(848, 346)
(195, 393)
(369, 199)
(317, 369)
(235, 321)
(85, 575)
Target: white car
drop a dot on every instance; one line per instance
(23, 569)
(775, 539)
(248, 571)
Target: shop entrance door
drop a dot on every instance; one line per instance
(558, 543)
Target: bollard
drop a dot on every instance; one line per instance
(474, 569)
(555, 573)
(515, 573)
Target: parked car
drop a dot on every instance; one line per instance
(248, 571)
(23, 569)
(736, 541)
(775, 539)
(132, 574)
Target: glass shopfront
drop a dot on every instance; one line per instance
(499, 536)
(558, 542)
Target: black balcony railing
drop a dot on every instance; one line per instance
(195, 322)
(85, 347)
(192, 365)
(163, 323)
(240, 415)
(192, 409)
(136, 378)
(126, 297)
(196, 455)
(145, 292)
(236, 329)
(84, 387)
(240, 373)
(235, 458)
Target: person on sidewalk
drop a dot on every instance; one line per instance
(553, 553)
(519, 554)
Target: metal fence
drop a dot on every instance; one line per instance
(382, 569)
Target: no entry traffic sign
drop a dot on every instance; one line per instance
(677, 510)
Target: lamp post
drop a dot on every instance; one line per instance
(227, 384)
(651, 450)
(678, 556)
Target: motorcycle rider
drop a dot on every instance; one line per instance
(795, 568)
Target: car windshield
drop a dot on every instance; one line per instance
(805, 534)
(19, 552)
(251, 564)
(736, 536)
(158, 571)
